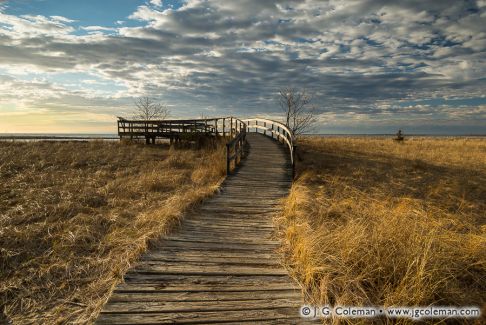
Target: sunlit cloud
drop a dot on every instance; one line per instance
(360, 59)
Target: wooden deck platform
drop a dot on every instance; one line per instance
(178, 130)
(221, 265)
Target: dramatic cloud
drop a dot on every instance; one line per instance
(367, 62)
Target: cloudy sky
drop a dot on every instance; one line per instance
(372, 65)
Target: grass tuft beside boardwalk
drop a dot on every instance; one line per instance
(375, 222)
(75, 215)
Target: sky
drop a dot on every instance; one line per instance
(372, 66)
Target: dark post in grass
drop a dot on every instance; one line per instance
(400, 136)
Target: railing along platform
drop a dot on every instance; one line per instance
(228, 127)
(177, 130)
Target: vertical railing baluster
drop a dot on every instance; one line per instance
(231, 127)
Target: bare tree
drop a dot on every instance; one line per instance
(148, 109)
(300, 115)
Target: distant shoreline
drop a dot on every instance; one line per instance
(48, 136)
(405, 134)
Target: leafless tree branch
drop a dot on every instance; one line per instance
(148, 109)
(300, 115)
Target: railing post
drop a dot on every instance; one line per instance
(231, 127)
(294, 151)
(237, 150)
(228, 171)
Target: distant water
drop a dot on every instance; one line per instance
(57, 136)
(393, 135)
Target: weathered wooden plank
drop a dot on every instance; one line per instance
(196, 242)
(234, 209)
(252, 233)
(279, 191)
(219, 286)
(227, 237)
(191, 249)
(192, 261)
(250, 195)
(189, 238)
(293, 321)
(249, 216)
(165, 280)
(201, 259)
(255, 316)
(210, 254)
(229, 233)
(194, 269)
(140, 303)
(274, 172)
(235, 201)
(222, 218)
(282, 167)
(273, 192)
(241, 223)
(263, 182)
(259, 188)
(204, 296)
(206, 253)
(225, 224)
(242, 206)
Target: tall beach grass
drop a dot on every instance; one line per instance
(75, 216)
(372, 222)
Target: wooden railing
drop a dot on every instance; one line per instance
(222, 126)
(235, 147)
(228, 127)
(275, 130)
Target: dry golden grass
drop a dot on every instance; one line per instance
(374, 222)
(74, 216)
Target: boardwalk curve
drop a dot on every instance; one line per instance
(221, 265)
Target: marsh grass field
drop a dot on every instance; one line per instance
(75, 215)
(373, 222)
(369, 221)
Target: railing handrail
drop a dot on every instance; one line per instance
(280, 124)
(122, 119)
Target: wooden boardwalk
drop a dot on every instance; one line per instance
(221, 265)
